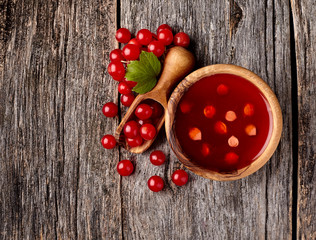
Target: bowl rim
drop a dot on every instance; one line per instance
(207, 71)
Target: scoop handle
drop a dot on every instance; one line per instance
(178, 63)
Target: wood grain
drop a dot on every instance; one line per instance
(57, 182)
(304, 18)
(257, 207)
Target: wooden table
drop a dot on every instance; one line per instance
(57, 182)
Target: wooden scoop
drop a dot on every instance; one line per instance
(178, 63)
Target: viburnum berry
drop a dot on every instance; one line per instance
(147, 131)
(155, 183)
(135, 142)
(142, 122)
(123, 35)
(127, 99)
(163, 26)
(157, 158)
(123, 88)
(135, 42)
(125, 167)
(165, 36)
(131, 52)
(157, 110)
(181, 39)
(116, 55)
(131, 129)
(108, 141)
(116, 70)
(180, 177)
(156, 47)
(131, 84)
(144, 36)
(110, 109)
(143, 111)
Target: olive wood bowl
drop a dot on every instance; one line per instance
(185, 84)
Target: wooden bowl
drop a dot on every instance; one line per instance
(185, 84)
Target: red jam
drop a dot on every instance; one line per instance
(223, 123)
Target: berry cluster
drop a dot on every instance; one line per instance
(155, 183)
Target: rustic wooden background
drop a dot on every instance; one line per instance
(56, 180)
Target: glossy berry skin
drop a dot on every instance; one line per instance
(180, 177)
(181, 39)
(123, 88)
(108, 141)
(147, 131)
(127, 99)
(110, 109)
(144, 36)
(142, 122)
(155, 183)
(165, 36)
(131, 84)
(131, 129)
(135, 42)
(156, 47)
(116, 70)
(143, 111)
(123, 35)
(131, 52)
(135, 142)
(157, 158)
(163, 26)
(116, 55)
(125, 167)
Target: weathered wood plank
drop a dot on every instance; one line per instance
(255, 35)
(304, 17)
(57, 181)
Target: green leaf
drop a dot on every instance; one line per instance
(144, 72)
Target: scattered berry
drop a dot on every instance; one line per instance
(116, 55)
(131, 129)
(157, 158)
(110, 109)
(144, 36)
(125, 167)
(131, 52)
(123, 88)
(108, 142)
(181, 39)
(123, 35)
(148, 131)
(116, 70)
(165, 36)
(157, 48)
(163, 26)
(127, 99)
(143, 111)
(180, 177)
(155, 183)
(135, 42)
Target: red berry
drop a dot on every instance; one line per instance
(181, 39)
(116, 55)
(127, 99)
(155, 183)
(125, 167)
(142, 122)
(222, 89)
(144, 36)
(131, 84)
(131, 52)
(163, 26)
(131, 129)
(135, 42)
(135, 142)
(143, 111)
(157, 158)
(108, 142)
(116, 70)
(165, 36)
(123, 35)
(110, 109)
(180, 177)
(157, 110)
(156, 47)
(123, 88)
(147, 131)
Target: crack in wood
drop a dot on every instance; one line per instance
(235, 17)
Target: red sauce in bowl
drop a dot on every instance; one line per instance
(223, 123)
